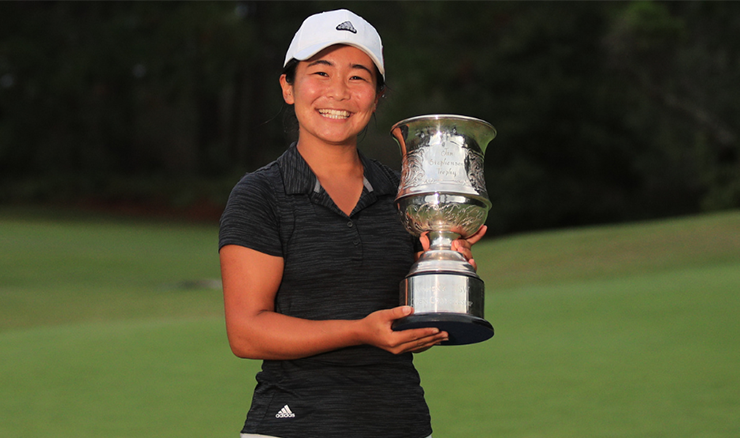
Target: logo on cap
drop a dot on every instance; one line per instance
(347, 26)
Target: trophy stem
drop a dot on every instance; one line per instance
(446, 260)
(440, 240)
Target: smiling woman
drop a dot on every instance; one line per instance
(312, 252)
(338, 84)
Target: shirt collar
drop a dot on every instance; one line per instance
(298, 177)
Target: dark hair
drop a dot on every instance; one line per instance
(290, 121)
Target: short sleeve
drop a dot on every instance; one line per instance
(251, 217)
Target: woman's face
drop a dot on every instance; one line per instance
(334, 95)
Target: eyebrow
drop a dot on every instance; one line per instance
(330, 64)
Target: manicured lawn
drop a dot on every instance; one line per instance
(113, 327)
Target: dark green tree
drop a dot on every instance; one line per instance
(606, 111)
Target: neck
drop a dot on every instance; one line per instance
(331, 160)
(339, 170)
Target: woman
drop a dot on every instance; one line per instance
(312, 253)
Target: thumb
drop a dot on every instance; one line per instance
(400, 312)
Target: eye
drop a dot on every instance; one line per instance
(362, 77)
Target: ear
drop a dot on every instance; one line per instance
(287, 90)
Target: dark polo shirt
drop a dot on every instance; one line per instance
(336, 267)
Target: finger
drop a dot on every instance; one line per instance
(478, 235)
(397, 312)
(424, 239)
(473, 264)
(430, 341)
(418, 335)
(462, 246)
(424, 343)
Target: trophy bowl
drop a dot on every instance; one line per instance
(443, 193)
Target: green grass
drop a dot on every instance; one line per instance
(70, 269)
(111, 328)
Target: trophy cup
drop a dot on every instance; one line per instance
(443, 192)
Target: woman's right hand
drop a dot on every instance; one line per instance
(377, 331)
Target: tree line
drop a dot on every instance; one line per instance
(606, 111)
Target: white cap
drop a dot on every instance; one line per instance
(325, 29)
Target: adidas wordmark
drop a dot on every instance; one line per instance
(285, 412)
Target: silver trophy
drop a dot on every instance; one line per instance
(443, 192)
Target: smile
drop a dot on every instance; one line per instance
(334, 114)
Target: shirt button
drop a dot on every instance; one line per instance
(350, 224)
(356, 242)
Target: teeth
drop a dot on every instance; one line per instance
(334, 114)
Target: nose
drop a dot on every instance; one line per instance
(338, 89)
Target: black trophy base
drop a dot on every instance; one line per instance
(463, 329)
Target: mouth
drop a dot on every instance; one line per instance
(335, 114)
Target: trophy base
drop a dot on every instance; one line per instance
(463, 329)
(447, 300)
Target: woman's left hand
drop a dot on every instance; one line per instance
(463, 246)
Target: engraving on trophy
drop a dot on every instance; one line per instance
(412, 170)
(446, 302)
(425, 216)
(475, 172)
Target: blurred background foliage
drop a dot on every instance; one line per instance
(606, 111)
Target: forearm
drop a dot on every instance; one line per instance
(251, 280)
(269, 335)
(272, 336)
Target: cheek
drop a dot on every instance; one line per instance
(303, 93)
(369, 100)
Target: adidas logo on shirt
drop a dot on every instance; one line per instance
(285, 412)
